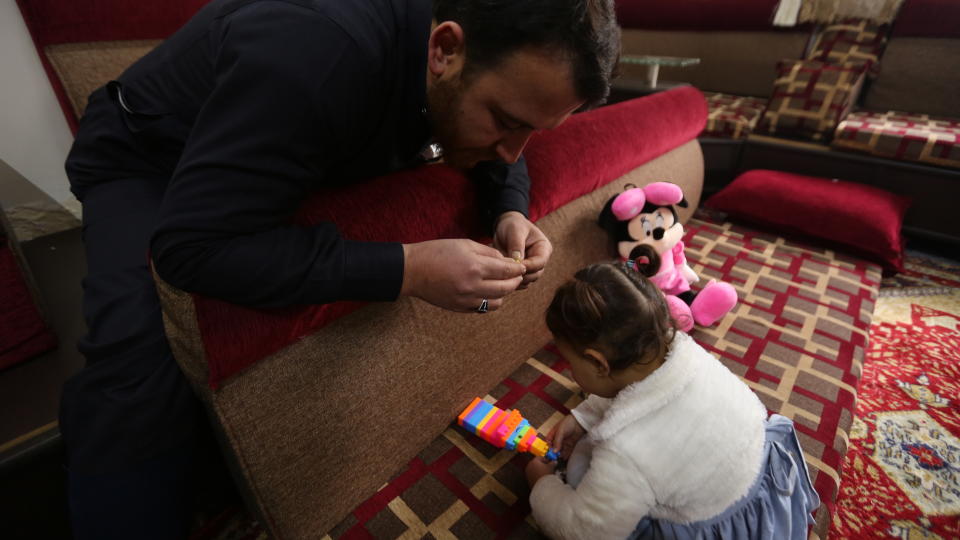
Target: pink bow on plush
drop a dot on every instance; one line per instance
(630, 203)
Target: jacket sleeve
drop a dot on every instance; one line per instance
(260, 142)
(610, 500)
(503, 188)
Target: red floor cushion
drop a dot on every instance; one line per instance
(862, 219)
(892, 134)
(732, 117)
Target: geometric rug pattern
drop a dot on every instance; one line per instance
(901, 478)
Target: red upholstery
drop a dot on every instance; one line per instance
(714, 15)
(435, 201)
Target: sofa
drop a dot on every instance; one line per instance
(899, 130)
(316, 407)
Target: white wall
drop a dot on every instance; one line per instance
(34, 135)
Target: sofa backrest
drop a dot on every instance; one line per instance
(83, 43)
(735, 40)
(920, 69)
(732, 62)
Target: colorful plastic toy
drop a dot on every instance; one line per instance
(504, 429)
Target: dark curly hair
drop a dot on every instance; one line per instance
(613, 308)
(585, 31)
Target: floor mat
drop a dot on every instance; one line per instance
(901, 476)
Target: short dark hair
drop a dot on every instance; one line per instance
(585, 31)
(613, 308)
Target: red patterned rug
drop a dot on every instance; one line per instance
(901, 476)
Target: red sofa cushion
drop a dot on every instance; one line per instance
(436, 201)
(860, 218)
(23, 332)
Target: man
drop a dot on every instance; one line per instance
(200, 152)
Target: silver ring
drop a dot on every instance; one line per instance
(483, 306)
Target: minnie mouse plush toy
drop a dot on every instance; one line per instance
(643, 224)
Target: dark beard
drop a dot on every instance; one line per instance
(443, 103)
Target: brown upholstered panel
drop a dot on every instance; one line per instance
(918, 75)
(84, 67)
(320, 426)
(741, 63)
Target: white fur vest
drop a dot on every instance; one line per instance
(682, 445)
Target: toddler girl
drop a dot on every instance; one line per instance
(670, 443)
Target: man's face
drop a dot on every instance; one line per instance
(491, 113)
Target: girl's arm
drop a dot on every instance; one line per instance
(608, 503)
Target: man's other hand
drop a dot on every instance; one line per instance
(459, 274)
(519, 239)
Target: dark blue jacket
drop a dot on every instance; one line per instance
(245, 110)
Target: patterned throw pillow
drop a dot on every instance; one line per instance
(850, 42)
(731, 117)
(810, 98)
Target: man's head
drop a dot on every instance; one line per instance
(498, 70)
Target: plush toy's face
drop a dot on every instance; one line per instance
(657, 229)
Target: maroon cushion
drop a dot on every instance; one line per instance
(436, 201)
(862, 219)
(23, 333)
(713, 15)
(928, 18)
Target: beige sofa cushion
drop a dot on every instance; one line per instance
(740, 63)
(84, 67)
(918, 75)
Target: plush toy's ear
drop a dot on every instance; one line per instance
(607, 220)
(663, 193)
(628, 204)
(683, 203)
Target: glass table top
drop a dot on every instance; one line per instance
(649, 60)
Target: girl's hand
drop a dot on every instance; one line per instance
(564, 435)
(538, 468)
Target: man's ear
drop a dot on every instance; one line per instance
(599, 361)
(446, 48)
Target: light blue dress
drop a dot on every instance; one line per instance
(778, 505)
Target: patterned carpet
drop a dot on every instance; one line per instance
(901, 477)
(461, 487)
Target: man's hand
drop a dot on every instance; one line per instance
(516, 237)
(458, 274)
(564, 436)
(538, 468)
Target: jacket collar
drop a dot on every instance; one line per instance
(657, 390)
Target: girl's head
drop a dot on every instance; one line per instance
(612, 324)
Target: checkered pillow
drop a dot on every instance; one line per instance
(850, 42)
(731, 117)
(810, 97)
